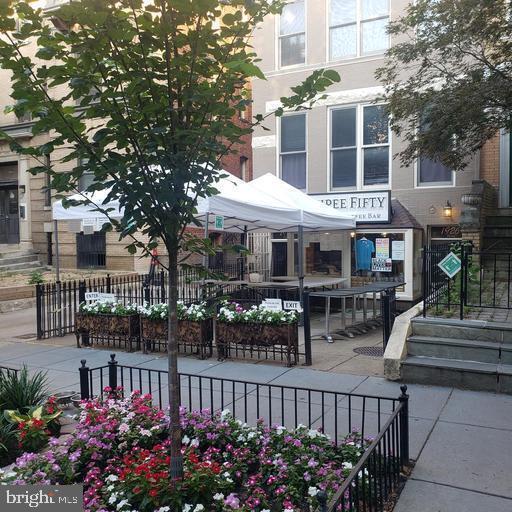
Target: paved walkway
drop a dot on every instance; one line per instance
(461, 440)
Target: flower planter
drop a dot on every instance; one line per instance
(191, 334)
(253, 338)
(106, 328)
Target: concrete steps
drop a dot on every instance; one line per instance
(471, 354)
(18, 260)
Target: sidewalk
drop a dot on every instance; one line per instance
(461, 440)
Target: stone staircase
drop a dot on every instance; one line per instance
(18, 260)
(465, 354)
(498, 231)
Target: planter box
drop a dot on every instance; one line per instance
(198, 335)
(258, 338)
(124, 328)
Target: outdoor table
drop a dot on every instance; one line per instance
(354, 293)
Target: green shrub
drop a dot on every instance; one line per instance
(19, 390)
(36, 277)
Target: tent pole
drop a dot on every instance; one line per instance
(300, 245)
(243, 258)
(206, 226)
(57, 278)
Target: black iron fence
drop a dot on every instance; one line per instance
(483, 281)
(371, 482)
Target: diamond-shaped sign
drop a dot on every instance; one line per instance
(450, 264)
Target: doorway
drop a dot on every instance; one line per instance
(9, 214)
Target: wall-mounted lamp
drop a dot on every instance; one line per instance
(384, 234)
(22, 189)
(353, 234)
(447, 210)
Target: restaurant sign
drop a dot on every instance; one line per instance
(365, 207)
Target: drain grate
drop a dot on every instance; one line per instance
(370, 351)
(26, 336)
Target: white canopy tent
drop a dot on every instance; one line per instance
(263, 205)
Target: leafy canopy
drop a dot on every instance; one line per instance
(146, 95)
(451, 74)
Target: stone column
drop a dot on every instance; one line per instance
(24, 200)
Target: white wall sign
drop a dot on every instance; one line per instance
(273, 304)
(293, 305)
(366, 207)
(382, 248)
(100, 297)
(398, 250)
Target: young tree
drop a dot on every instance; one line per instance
(147, 93)
(451, 75)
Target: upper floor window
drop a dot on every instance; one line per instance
(433, 172)
(292, 34)
(87, 177)
(358, 27)
(293, 150)
(359, 146)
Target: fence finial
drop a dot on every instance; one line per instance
(322, 500)
(112, 357)
(83, 361)
(403, 389)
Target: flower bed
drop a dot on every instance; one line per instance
(120, 452)
(259, 329)
(195, 328)
(108, 322)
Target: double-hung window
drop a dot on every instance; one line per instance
(292, 34)
(433, 173)
(358, 27)
(359, 146)
(293, 150)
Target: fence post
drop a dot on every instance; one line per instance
(404, 426)
(322, 501)
(84, 381)
(112, 372)
(386, 316)
(462, 281)
(39, 312)
(162, 286)
(307, 329)
(81, 291)
(424, 280)
(147, 297)
(109, 283)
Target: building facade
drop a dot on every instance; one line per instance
(26, 201)
(342, 151)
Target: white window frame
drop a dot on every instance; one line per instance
(431, 184)
(359, 22)
(280, 153)
(279, 37)
(360, 147)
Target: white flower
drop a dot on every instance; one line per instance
(199, 507)
(218, 497)
(251, 435)
(185, 440)
(112, 478)
(313, 491)
(194, 443)
(347, 465)
(110, 487)
(163, 509)
(225, 414)
(113, 498)
(187, 508)
(121, 504)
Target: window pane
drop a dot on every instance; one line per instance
(343, 42)
(374, 8)
(85, 181)
(342, 11)
(374, 36)
(292, 18)
(344, 168)
(376, 165)
(432, 171)
(293, 170)
(293, 133)
(375, 129)
(343, 127)
(293, 50)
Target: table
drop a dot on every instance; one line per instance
(354, 293)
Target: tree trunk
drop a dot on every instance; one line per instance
(176, 469)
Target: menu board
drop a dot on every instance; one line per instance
(382, 248)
